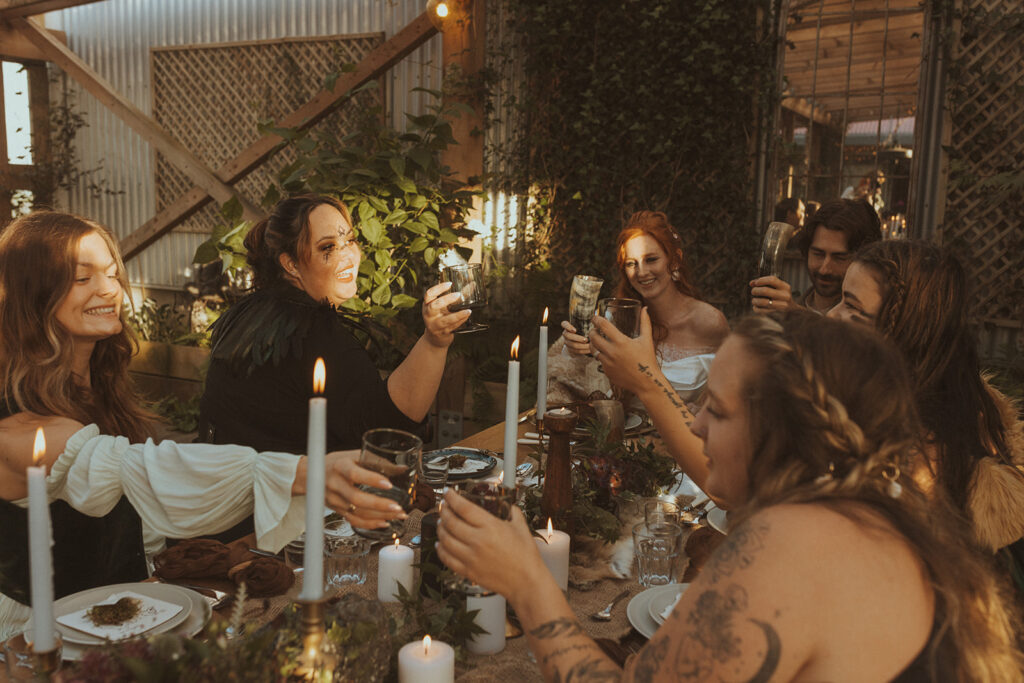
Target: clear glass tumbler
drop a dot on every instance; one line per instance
(658, 548)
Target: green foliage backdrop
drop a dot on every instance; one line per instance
(642, 104)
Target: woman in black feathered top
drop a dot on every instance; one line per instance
(305, 263)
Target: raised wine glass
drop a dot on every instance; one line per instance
(496, 499)
(623, 313)
(401, 453)
(467, 281)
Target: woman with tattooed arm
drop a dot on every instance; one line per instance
(834, 568)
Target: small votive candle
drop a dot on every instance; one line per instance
(426, 661)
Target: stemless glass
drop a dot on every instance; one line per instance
(496, 499)
(467, 281)
(583, 301)
(623, 313)
(405, 452)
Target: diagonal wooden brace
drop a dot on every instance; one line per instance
(150, 131)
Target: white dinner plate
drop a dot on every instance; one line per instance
(663, 600)
(87, 598)
(718, 519)
(198, 616)
(638, 610)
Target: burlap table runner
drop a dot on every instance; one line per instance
(514, 663)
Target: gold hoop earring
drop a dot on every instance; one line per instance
(827, 477)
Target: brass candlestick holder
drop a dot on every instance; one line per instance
(47, 663)
(316, 656)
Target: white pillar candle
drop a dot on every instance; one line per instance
(542, 368)
(491, 618)
(394, 566)
(316, 445)
(555, 553)
(426, 661)
(512, 417)
(40, 538)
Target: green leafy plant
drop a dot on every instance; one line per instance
(182, 415)
(441, 615)
(163, 323)
(608, 472)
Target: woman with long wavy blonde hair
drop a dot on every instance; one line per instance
(836, 566)
(42, 368)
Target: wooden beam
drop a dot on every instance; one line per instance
(802, 107)
(808, 30)
(382, 58)
(14, 45)
(150, 131)
(26, 8)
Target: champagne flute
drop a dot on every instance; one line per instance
(397, 455)
(467, 281)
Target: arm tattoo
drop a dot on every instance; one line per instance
(737, 552)
(713, 622)
(670, 393)
(590, 668)
(559, 628)
(650, 660)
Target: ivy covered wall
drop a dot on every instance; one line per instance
(643, 104)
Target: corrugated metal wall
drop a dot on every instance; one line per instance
(114, 37)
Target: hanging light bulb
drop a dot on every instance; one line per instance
(443, 13)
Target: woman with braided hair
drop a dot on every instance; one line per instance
(833, 568)
(916, 294)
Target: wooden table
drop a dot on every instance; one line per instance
(515, 663)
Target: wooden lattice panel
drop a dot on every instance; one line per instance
(983, 222)
(211, 98)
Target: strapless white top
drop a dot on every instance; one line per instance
(688, 375)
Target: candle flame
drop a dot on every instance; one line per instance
(551, 529)
(544, 320)
(396, 541)
(514, 353)
(441, 9)
(39, 447)
(319, 376)
(501, 477)
(426, 645)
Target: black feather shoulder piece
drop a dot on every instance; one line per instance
(266, 326)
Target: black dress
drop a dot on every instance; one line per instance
(260, 379)
(261, 376)
(87, 551)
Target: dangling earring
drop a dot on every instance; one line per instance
(827, 477)
(675, 275)
(891, 473)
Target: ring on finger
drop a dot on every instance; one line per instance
(770, 302)
(351, 508)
